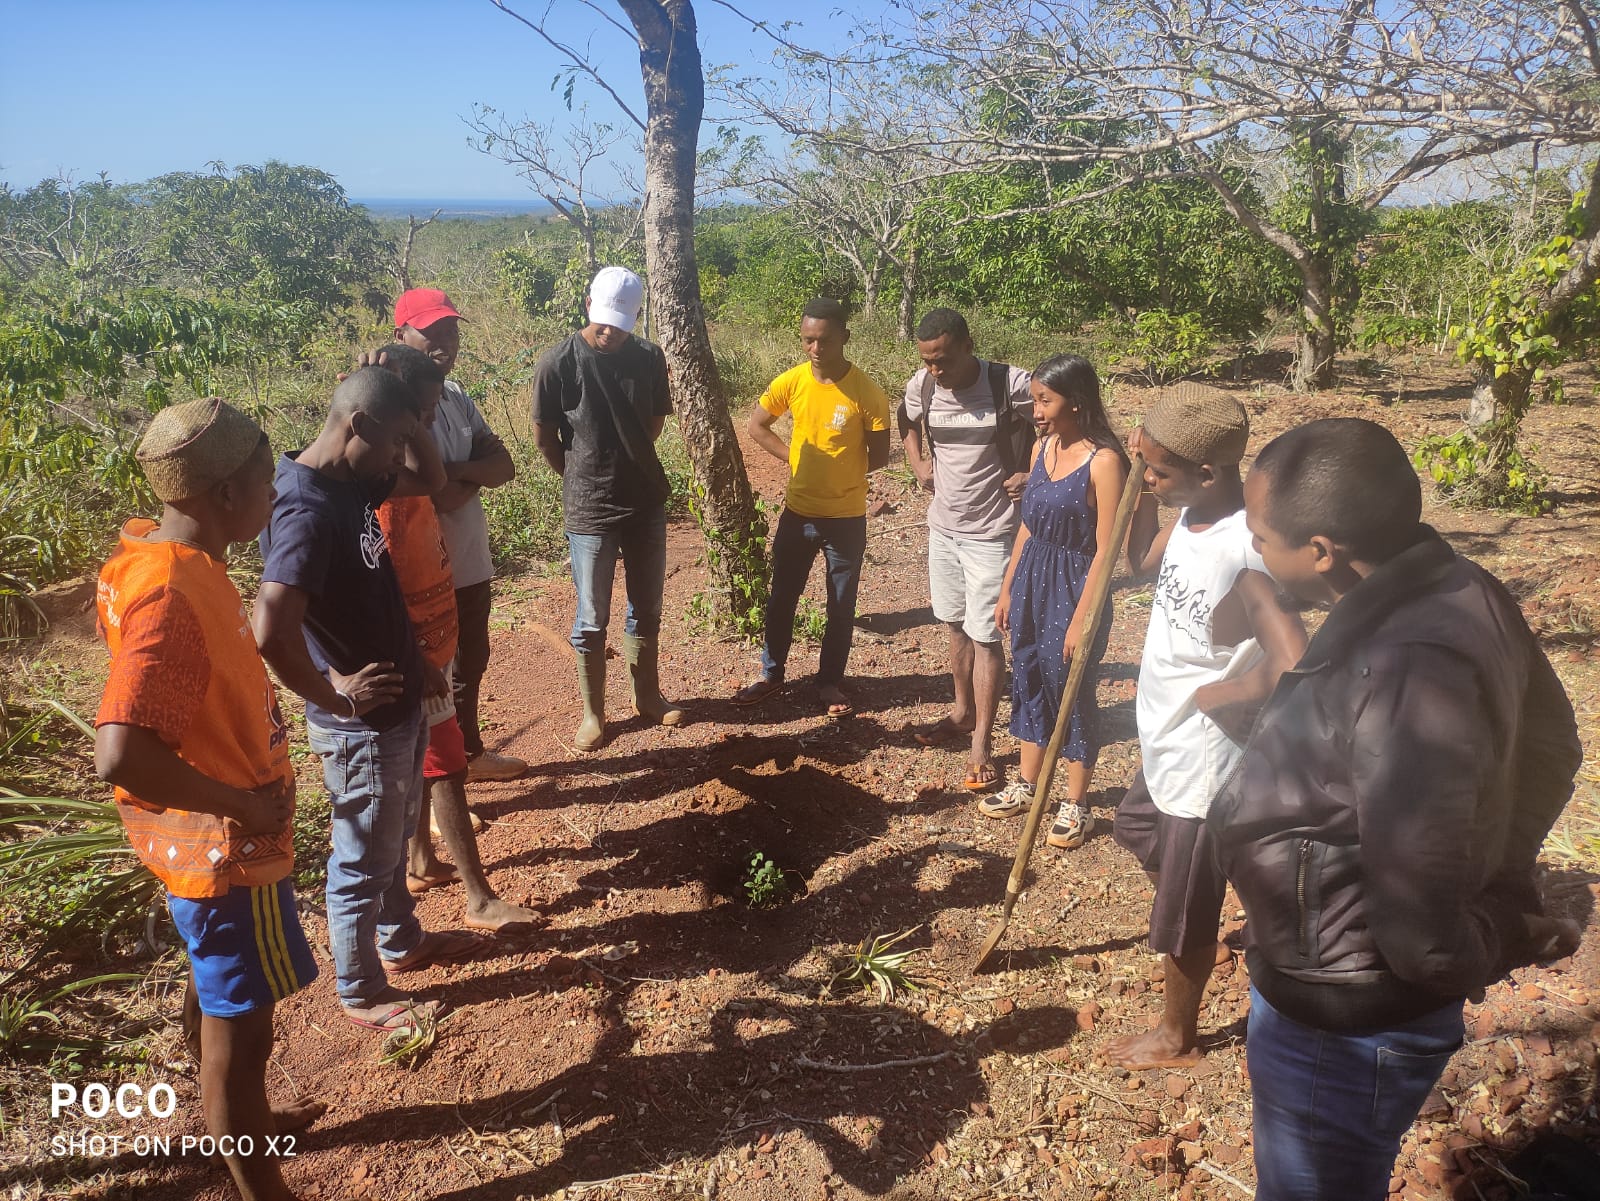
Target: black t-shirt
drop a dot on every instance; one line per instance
(324, 538)
(587, 395)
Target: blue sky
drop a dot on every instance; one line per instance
(371, 92)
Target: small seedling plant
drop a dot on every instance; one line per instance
(875, 965)
(764, 885)
(408, 1046)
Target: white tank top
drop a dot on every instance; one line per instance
(1186, 754)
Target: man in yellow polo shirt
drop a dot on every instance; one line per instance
(841, 432)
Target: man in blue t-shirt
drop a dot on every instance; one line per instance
(331, 620)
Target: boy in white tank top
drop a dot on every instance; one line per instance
(1218, 640)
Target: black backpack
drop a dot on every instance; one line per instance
(1013, 436)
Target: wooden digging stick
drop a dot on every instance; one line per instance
(1099, 593)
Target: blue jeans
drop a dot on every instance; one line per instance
(375, 783)
(1329, 1110)
(843, 543)
(642, 546)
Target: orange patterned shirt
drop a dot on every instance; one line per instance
(422, 565)
(184, 665)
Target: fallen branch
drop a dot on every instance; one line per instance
(774, 1120)
(919, 1061)
(896, 529)
(577, 1185)
(1205, 1165)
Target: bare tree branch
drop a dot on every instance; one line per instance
(579, 61)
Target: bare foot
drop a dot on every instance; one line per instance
(834, 700)
(501, 917)
(297, 1114)
(424, 863)
(1154, 1049)
(442, 875)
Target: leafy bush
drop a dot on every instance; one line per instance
(1168, 346)
(1393, 330)
(1458, 464)
(66, 870)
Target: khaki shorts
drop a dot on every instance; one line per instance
(964, 579)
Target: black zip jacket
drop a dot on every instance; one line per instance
(1383, 824)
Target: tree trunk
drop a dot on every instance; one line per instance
(908, 295)
(674, 86)
(1506, 396)
(1319, 340)
(871, 285)
(1495, 413)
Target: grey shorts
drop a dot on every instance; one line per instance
(964, 579)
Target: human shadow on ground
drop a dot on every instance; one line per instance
(624, 1110)
(877, 898)
(888, 624)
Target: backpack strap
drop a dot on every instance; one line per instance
(921, 424)
(1013, 437)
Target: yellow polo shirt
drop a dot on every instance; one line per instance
(828, 448)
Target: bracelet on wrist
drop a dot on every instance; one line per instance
(349, 700)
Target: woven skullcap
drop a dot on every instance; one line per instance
(1200, 425)
(190, 447)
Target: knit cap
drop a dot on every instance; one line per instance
(190, 447)
(1202, 426)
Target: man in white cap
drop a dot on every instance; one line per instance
(600, 400)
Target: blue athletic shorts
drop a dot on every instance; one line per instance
(247, 948)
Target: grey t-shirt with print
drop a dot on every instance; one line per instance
(466, 530)
(969, 496)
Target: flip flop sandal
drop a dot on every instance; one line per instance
(940, 732)
(435, 947)
(974, 781)
(840, 709)
(388, 1016)
(754, 694)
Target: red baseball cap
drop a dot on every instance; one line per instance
(421, 307)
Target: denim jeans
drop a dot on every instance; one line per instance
(375, 782)
(843, 543)
(1329, 1110)
(642, 546)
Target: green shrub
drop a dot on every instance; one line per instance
(1394, 330)
(1458, 465)
(1168, 346)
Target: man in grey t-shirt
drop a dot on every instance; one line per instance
(474, 459)
(967, 425)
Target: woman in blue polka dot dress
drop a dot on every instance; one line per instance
(1068, 507)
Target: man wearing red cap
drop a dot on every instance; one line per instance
(474, 459)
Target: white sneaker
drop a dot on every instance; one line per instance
(1072, 826)
(1010, 801)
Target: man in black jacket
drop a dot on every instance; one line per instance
(1383, 826)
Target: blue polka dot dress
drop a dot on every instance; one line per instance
(1052, 576)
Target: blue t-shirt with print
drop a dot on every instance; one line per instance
(324, 539)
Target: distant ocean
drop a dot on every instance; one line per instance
(471, 210)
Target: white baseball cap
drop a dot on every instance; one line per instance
(615, 297)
